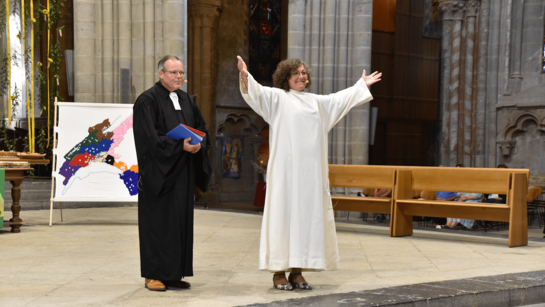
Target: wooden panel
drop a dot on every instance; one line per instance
(402, 224)
(465, 180)
(486, 212)
(382, 49)
(362, 204)
(377, 152)
(352, 176)
(404, 145)
(518, 220)
(384, 13)
(407, 98)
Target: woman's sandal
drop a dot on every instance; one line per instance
(302, 285)
(285, 287)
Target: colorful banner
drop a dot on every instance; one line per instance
(95, 155)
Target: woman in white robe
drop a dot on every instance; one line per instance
(298, 229)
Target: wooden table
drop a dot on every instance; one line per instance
(16, 176)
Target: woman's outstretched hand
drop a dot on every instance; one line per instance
(243, 71)
(369, 80)
(242, 68)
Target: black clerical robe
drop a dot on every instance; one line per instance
(167, 177)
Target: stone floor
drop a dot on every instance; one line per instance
(92, 259)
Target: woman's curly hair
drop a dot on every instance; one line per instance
(285, 69)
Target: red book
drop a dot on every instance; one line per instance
(202, 134)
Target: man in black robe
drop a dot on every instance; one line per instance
(168, 172)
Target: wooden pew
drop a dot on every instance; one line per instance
(513, 183)
(362, 176)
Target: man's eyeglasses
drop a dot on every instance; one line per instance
(296, 73)
(174, 72)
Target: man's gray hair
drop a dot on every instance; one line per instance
(161, 64)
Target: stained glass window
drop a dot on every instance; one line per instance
(265, 38)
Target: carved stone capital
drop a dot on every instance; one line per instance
(204, 12)
(506, 146)
(472, 8)
(451, 10)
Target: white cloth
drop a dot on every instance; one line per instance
(174, 97)
(298, 229)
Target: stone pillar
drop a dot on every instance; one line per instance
(515, 75)
(444, 92)
(469, 70)
(481, 85)
(124, 34)
(454, 86)
(334, 39)
(202, 28)
(462, 106)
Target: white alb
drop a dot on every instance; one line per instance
(298, 229)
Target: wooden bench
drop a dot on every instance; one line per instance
(362, 176)
(513, 183)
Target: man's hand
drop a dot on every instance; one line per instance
(372, 78)
(191, 148)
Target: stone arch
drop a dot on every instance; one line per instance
(237, 124)
(518, 126)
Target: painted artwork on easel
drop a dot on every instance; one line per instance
(96, 157)
(232, 158)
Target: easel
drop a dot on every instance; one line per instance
(58, 129)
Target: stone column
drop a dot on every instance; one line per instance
(124, 34)
(85, 64)
(515, 75)
(469, 70)
(203, 21)
(462, 96)
(334, 39)
(444, 92)
(481, 85)
(454, 85)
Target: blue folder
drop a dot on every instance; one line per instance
(182, 132)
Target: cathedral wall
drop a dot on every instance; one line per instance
(518, 83)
